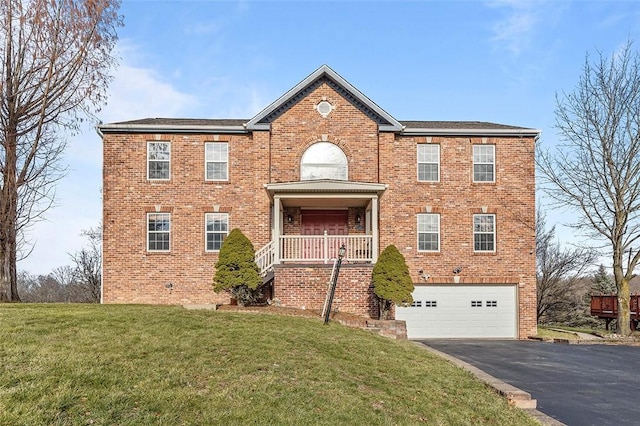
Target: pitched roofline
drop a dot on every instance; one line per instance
(134, 127)
(523, 132)
(168, 128)
(254, 123)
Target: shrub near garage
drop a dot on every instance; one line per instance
(391, 281)
(236, 269)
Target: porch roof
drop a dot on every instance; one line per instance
(324, 188)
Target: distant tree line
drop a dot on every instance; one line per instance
(77, 283)
(566, 280)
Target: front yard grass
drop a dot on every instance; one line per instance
(140, 365)
(551, 332)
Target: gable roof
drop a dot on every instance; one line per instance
(465, 128)
(324, 74)
(238, 125)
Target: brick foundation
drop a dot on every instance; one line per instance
(305, 287)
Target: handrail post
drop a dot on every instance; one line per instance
(334, 282)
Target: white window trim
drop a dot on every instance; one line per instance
(418, 232)
(205, 162)
(495, 225)
(148, 161)
(418, 163)
(473, 172)
(226, 215)
(157, 232)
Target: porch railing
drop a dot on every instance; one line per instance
(315, 248)
(265, 257)
(323, 248)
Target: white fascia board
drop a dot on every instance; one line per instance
(323, 186)
(168, 128)
(388, 128)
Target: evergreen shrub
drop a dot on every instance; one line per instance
(236, 269)
(391, 281)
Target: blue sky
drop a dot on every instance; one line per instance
(498, 61)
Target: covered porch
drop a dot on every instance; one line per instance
(310, 220)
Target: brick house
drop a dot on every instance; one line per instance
(322, 166)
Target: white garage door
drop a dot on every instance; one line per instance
(452, 311)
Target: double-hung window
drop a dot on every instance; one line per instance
(428, 232)
(484, 232)
(158, 231)
(158, 160)
(216, 230)
(428, 163)
(216, 161)
(484, 162)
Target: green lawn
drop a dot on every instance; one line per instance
(554, 333)
(126, 365)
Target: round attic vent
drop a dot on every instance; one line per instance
(324, 108)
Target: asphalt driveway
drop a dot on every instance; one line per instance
(575, 384)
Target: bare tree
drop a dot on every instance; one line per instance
(596, 171)
(55, 59)
(88, 266)
(559, 272)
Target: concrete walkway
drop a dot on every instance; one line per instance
(581, 336)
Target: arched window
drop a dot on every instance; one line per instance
(323, 160)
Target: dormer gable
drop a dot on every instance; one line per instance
(324, 75)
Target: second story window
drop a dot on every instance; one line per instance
(216, 161)
(428, 163)
(323, 160)
(484, 161)
(158, 160)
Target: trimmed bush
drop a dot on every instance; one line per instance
(391, 281)
(236, 269)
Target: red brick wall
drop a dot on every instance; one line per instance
(456, 198)
(302, 126)
(132, 275)
(306, 287)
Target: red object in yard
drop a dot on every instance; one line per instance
(606, 307)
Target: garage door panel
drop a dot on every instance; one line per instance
(461, 312)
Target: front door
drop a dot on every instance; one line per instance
(317, 222)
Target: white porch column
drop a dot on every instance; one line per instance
(277, 229)
(374, 229)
